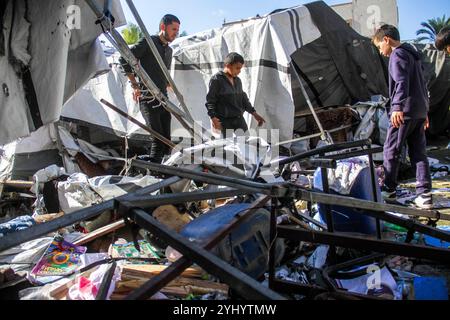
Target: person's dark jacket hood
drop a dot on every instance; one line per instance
(411, 50)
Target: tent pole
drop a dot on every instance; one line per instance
(59, 145)
(324, 135)
(138, 123)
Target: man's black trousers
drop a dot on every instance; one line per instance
(159, 119)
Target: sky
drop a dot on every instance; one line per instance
(200, 15)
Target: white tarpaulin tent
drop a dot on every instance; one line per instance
(85, 106)
(47, 52)
(266, 44)
(312, 42)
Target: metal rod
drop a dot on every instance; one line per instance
(138, 123)
(204, 177)
(322, 163)
(175, 198)
(312, 136)
(272, 242)
(324, 135)
(328, 213)
(388, 247)
(247, 287)
(374, 192)
(325, 149)
(107, 7)
(158, 282)
(356, 153)
(106, 282)
(316, 197)
(409, 224)
(326, 189)
(288, 190)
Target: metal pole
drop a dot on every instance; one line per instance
(288, 190)
(312, 136)
(273, 237)
(324, 135)
(374, 191)
(141, 125)
(388, 247)
(325, 149)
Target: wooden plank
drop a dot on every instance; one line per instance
(101, 232)
(180, 286)
(48, 217)
(146, 271)
(17, 184)
(135, 282)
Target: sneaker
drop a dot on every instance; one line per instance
(389, 196)
(424, 201)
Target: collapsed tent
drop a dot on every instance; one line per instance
(341, 67)
(21, 159)
(113, 87)
(437, 74)
(333, 59)
(48, 50)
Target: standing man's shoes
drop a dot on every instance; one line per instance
(424, 201)
(389, 196)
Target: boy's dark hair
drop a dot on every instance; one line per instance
(443, 38)
(169, 19)
(233, 58)
(386, 30)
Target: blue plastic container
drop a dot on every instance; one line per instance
(347, 219)
(246, 247)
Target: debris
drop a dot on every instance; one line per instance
(318, 258)
(429, 288)
(149, 270)
(17, 224)
(100, 232)
(246, 246)
(171, 217)
(124, 249)
(189, 283)
(88, 288)
(437, 242)
(376, 282)
(61, 258)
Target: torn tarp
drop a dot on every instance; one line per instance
(238, 157)
(51, 50)
(79, 192)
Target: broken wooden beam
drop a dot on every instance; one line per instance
(100, 232)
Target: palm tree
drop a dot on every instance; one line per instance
(132, 34)
(431, 28)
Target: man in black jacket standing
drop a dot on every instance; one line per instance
(156, 117)
(226, 101)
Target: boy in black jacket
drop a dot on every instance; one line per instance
(226, 101)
